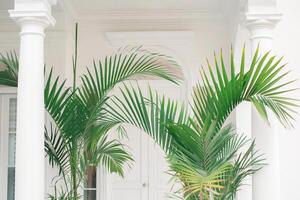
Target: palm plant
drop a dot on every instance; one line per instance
(202, 151)
(76, 141)
(204, 154)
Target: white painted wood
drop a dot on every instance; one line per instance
(33, 17)
(8, 90)
(134, 186)
(266, 183)
(3, 147)
(178, 44)
(161, 187)
(4, 141)
(148, 178)
(151, 182)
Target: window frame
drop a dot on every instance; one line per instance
(102, 189)
(6, 93)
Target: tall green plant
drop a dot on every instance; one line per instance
(76, 141)
(213, 100)
(205, 154)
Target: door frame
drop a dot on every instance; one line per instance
(104, 189)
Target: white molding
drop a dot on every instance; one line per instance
(40, 10)
(268, 17)
(172, 41)
(3, 146)
(146, 15)
(9, 25)
(40, 15)
(166, 38)
(261, 24)
(4, 137)
(7, 90)
(137, 16)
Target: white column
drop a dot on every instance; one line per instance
(266, 183)
(30, 177)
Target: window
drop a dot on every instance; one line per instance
(8, 116)
(11, 148)
(90, 187)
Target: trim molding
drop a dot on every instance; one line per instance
(142, 15)
(8, 90)
(118, 39)
(136, 16)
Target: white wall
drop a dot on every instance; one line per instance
(286, 43)
(210, 34)
(55, 50)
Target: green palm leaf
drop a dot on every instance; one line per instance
(10, 63)
(263, 85)
(204, 145)
(112, 155)
(151, 113)
(126, 64)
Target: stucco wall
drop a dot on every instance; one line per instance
(286, 43)
(209, 36)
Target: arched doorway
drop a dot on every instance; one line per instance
(147, 179)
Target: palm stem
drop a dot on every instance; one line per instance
(75, 57)
(200, 196)
(74, 173)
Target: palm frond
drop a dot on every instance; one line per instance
(112, 155)
(57, 149)
(10, 63)
(149, 114)
(263, 84)
(197, 181)
(127, 64)
(210, 155)
(246, 164)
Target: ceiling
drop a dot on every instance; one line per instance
(154, 9)
(133, 5)
(138, 10)
(84, 6)
(129, 5)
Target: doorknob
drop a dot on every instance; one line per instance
(144, 185)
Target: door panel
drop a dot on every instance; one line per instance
(133, 185)
(161, 186)
(148, 179)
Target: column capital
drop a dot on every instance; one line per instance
(38, 11)
(261, 25)
(40, 17)
(269, 20)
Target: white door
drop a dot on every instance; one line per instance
(134, 186)
(147, 179)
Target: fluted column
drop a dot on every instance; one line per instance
(266, 183)
(32, 17)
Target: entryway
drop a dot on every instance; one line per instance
(148, 177)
